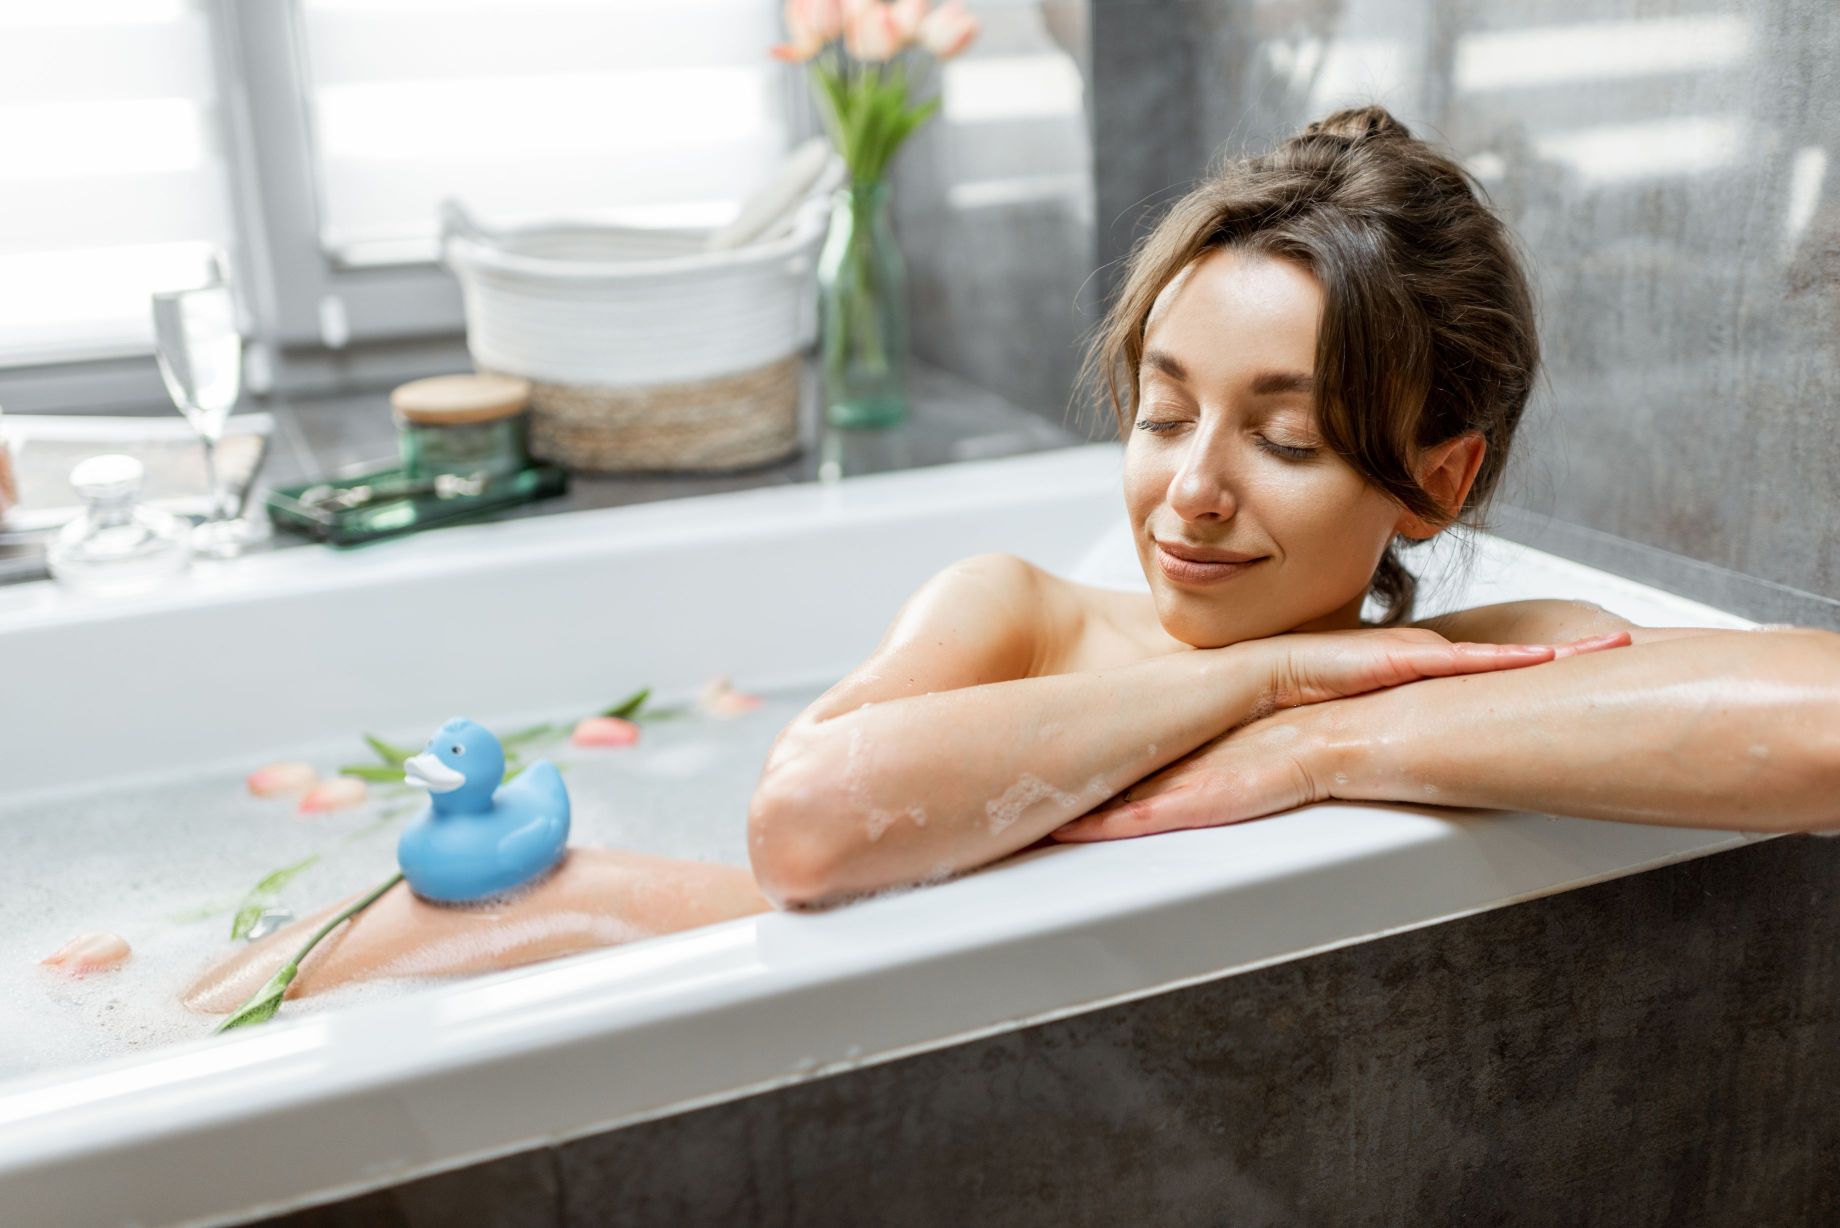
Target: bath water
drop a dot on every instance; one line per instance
(165, 862)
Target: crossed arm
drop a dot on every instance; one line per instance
(1685, 727)
(948, 749)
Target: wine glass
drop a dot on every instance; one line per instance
(200, 354)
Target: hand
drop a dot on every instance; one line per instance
(1257, 769)
(1308, 667)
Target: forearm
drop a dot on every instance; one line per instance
(928, 785)
(1729, 732)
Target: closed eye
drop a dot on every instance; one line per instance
(1286, 450)
(1163, 426)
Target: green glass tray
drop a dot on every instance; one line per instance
(394, 517)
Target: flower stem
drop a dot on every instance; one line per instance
(262, 1006)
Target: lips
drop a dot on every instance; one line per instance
(1202, 571)
(1207, 554)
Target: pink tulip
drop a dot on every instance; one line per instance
(874, 32)
(86, 953)
(605, 731)
(278, 778)
(824, 18)
(909, 15)
(334, 794)
(948, 29)
(811, 23)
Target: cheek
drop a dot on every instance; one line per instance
(1145, 481)
(1339, 515)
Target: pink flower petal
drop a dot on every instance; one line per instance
(278, 778)
(86, 953)
(334, 794)
(948, 30)
(605, 731)
(734, 703)
(719, 698)
(874, 33)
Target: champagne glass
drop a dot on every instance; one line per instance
(200, 354)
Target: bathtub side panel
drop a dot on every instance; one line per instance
(1656, 1049)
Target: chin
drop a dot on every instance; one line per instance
(1192, 627)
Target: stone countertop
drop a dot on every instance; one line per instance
(952, 420)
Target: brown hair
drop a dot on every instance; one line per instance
(1428, 322)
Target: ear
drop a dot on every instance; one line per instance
(1447, 471)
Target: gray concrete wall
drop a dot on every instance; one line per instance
(993, 206)
(1670, 166)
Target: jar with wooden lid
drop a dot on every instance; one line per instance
(463, 425)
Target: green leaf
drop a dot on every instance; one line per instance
(535, 733)
(905, 124)
(262, 1006)
(630, 705)
(246, 918)
(267, 1000)
(833, 106)
(263, 894)
(389, 753)
(372, 772)
(277, 879)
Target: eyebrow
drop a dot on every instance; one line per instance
(1264, 383)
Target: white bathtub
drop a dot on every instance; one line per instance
(308, 1108)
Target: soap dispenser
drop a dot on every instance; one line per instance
(116, 545)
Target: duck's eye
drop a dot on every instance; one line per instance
(459, 750)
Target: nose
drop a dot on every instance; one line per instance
(1200, 491)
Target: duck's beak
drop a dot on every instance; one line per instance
(430, 773)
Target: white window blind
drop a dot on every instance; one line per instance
(645, 111)
(111, 180)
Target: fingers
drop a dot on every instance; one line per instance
(1593, 643)
(1109, 823)
(1474, 657)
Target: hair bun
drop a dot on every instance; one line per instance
(1358, 123)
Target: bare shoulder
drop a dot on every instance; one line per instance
(974, 621)
(1547, 620)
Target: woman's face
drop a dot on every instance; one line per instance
(1225, 456)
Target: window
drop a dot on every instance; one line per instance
(314, 139)
(112, 180)
(646, 111)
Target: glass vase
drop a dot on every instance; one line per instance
(862, 312)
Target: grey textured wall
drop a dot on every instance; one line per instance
(1670, 168)
(994, 208)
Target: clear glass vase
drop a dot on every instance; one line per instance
(862, 312)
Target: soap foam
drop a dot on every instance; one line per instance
(1003, 811)
(141, 858)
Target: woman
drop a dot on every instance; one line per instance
(1324, 352)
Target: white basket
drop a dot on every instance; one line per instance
(630, 307)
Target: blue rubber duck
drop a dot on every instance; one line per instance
(480, 838)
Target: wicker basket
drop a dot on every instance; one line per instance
(645, 352)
